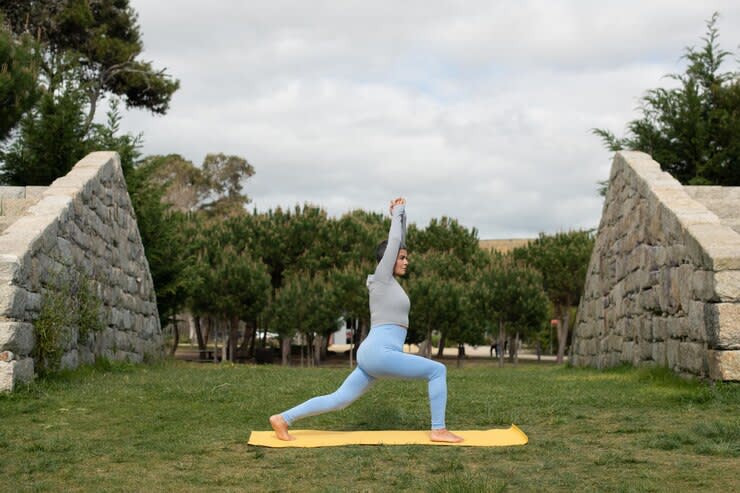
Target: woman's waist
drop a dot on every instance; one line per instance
(390, 327)
(392, 334)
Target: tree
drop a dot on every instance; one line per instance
(225, 174)
(509, 295)
(288, 311)
(19, 65)
(563, 261)
(51, 140)
(445, 235)
(438, 287)
(95, 46)
(691, 130)
(86, 50)
(185, 185)
(164, 235)
(351, 296)
(240, 285)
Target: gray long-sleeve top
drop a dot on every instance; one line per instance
(389, 303)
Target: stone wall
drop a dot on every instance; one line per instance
(663, 283)
(82, 227)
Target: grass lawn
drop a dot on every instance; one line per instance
(184, 427)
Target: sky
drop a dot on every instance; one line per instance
(477, 110)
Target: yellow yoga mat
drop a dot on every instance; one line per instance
(321, 438)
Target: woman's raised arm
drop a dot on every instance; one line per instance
(396, 240)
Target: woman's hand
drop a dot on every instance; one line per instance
(395, 202)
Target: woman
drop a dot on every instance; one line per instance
(381, 353)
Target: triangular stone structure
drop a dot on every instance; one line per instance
(82, 227)
(663, 283)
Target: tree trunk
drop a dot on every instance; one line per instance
(93, 94)
(318, 346)
(233, 338)
(199, 336)
(351, 347)
(207, 333)
(176, 332)
(427, 349)
(363, 330)
(225, 337)
(441, 347)
(501, 336)
(253, 342)
(285, 349)
(563, 335)
(325, 347)
(516, 349)
(460, 354)
(247, 338)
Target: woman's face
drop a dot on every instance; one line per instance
(402, 263)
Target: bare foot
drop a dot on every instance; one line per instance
(443, 435)
(280, 426)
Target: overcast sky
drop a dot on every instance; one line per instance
(478, 110)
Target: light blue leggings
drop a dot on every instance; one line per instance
(381, 355)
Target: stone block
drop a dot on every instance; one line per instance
(613, 359)
(17, 337)
(10, 267)
(614, 342)
(648, 300)
(35, 192)
(672, 353)
(727, 285)
(645, 327)
(682, 284)
(64, 249)
(668, 304)
(702, 285)
(14, 372)
(56, 206)
(659, 353)
(648, 257)
(11, 192)
(723, 325)
(724, 365)
(626, 355)
(645, 351)
(70, 360)
(697, 324)
(123, 340)
(12, 301)
(6, 376)
(660, 328)
(105, 340)
(681, 328)
(692, 356)
(86, 357)
(720, 243)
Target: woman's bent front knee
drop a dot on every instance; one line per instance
(440, 370)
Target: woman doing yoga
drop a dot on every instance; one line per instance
(381, 353)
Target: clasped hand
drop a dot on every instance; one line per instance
(395, 202)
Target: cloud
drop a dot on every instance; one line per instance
(481, 112)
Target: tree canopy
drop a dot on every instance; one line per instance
(563, 260)
(62, 57)
(95, 46)
(692, 130)
(19, 62)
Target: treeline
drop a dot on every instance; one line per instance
(299, 271)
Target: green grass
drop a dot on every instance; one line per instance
(184, 427)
